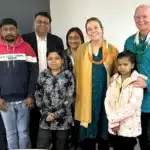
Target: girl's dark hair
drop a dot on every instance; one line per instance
(130, 55)
(74, 29)
(94, 19)
(61, 53)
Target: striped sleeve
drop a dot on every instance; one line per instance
(30, 54)
(33, 70)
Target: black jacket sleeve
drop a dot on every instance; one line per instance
(32, 71)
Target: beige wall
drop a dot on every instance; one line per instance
(116, 16)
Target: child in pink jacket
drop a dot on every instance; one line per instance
(123, 104)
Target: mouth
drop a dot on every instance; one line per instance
(53, 65)
(95, 35)
(122, 72)
(9, 36)
(141, 24)
(42, 28)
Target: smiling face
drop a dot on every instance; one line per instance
(142, 18)
(9, 33)
(42, 25)
(94, 30)
(74, 40)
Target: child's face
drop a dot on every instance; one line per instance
(124, 66)
(54, 61)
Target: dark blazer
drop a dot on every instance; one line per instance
(53, 41)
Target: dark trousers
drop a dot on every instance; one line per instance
(144, 139)
(73, 138)
(3, 141)
(34, 126)
(73, 142)
(90, 144)
(47, 137)
(122, 143)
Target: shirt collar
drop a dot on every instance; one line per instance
(38, 39)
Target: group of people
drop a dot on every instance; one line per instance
(87, 96)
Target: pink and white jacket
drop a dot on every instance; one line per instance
(128, 113)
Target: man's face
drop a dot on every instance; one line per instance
(142, 18)
(42, 25)
(9, 33)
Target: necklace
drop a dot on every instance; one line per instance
(96, 62)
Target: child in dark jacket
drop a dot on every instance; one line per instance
(54, 96)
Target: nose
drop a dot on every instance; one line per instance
(93, 30)
(140, 19)
(121, 67)
(42, 25)
(53, 61)
(8, 31)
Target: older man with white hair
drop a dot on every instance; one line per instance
(139, 43)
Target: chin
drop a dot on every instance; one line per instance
(54, 67)
(143, 27)
(74, 47)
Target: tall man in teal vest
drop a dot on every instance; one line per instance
(139, 43)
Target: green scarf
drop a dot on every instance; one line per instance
(141, 44)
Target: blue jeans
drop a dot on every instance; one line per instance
(16, 121)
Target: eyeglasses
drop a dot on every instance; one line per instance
(42, 22)
(73, 38)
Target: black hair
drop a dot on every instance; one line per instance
(74, 29)
(94, 19)
(44, 14)
(59, 52)
(130, 55)
(8, 21)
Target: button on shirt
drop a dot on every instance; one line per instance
(42, 50)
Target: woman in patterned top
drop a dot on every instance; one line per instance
(54, 96)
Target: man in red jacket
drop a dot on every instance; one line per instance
(18, 76)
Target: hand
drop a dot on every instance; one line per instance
(111, 80)
(140, 83)
(2, 101)
(29, 102)
(3, 105)
(115, 129)
(50, 117)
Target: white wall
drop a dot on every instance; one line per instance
(116, 17)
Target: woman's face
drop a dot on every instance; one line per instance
(74, 40)
(94, 31)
